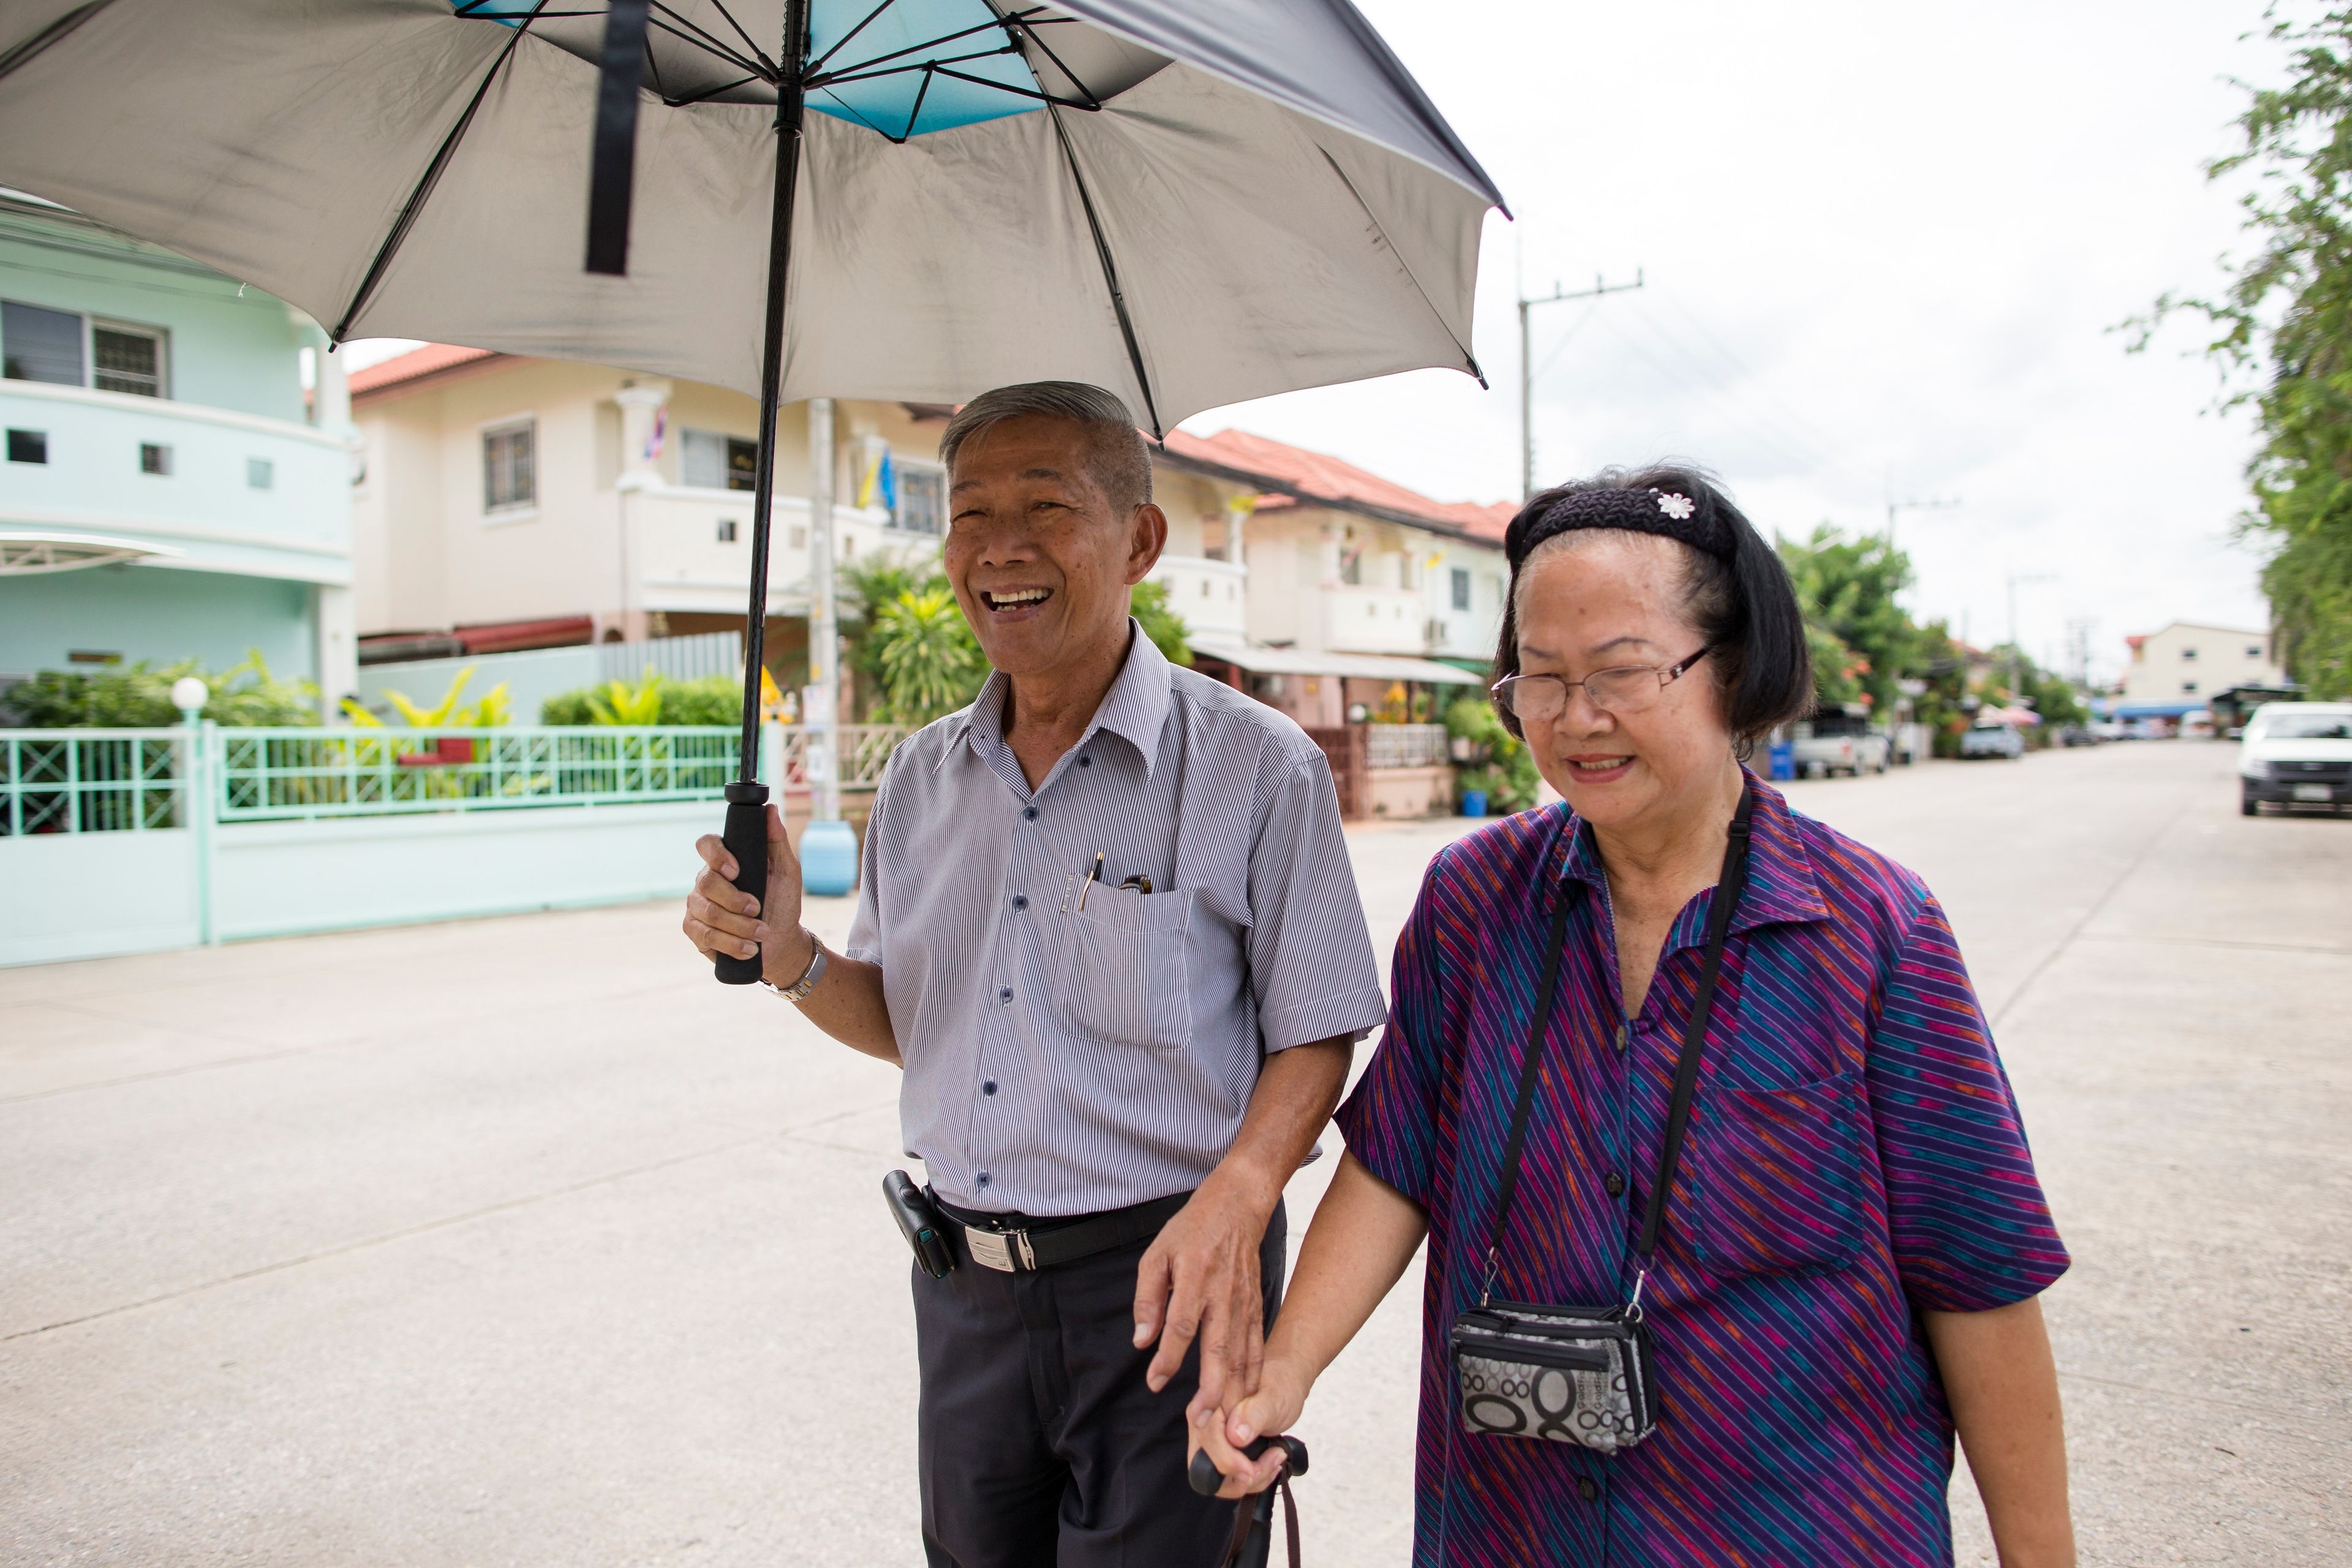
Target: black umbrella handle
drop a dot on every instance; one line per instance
(1206, 1477)
(746, 837)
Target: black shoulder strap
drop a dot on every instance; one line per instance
(1728, 889)
(1729, 885)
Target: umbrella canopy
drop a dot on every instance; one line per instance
(1190, 202)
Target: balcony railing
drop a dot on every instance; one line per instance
(1406, 747)
(1372, 620)
(1210, 594)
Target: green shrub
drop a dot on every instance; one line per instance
(1500, 762)
(139, 696)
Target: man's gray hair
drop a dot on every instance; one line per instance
(1116, 454)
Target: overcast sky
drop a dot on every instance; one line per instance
(1884, 246)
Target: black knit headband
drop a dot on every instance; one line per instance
(1670, 512)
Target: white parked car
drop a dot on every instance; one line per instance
(1992, 740)
(1839, 741)
(2296, 754)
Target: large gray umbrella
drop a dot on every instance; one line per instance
(1191, 202)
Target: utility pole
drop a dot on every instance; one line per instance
(2016, 669)
(1528, 369)
(1942, 503)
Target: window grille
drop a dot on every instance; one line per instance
(127, 358)
(509, 479)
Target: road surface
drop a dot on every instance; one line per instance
(522, 1242)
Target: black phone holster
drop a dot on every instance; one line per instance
(920, 1223)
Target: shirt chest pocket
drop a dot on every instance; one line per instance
(1779, 1177)
(1121, 975)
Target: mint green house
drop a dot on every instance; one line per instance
(169, 488)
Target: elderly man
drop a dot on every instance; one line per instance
(1109, 930)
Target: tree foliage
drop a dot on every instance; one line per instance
(1863, 643)
(139, 696)
(2286, 322)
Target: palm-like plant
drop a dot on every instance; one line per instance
(930, 661)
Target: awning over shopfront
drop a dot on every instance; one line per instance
(1259, 659)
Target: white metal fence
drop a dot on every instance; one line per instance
(1406, 747)
(90, 780)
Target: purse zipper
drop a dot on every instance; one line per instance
(1495, 1348)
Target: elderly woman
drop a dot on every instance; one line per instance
(1730, 1217)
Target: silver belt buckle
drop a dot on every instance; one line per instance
(996, 1248)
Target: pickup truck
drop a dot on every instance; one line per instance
(1839, 741)
(1992, 740)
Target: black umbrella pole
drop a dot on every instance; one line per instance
(746, 833)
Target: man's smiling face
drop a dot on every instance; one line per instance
(1040, 556)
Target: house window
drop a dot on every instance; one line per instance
(922, 497)
(2188, 654)
(40, 345)
(127, 358)
(2189, 688)
(67, 349)
(29, 446)
(154, 459)
(261, 473)
(509, 477)
(725, 530)
(1460, 579)
(2254, 650)
(1351, 567)
(711, 461)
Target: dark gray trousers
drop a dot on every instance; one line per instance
(1040, 1445)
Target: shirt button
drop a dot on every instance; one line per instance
(1614, 1183)
(1005, 994)
(989, 1086)
(1584, 1485)
(1622, 1031)
(1020, 900)
(1086, 761)
(983, 1179)
(1030, 812)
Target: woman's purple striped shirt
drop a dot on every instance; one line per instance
(1855, 1156)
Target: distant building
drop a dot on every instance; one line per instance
(2183, 668)
(168, 490)
(508, 503)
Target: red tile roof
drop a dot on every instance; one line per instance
(1317, 476)
(430, 359)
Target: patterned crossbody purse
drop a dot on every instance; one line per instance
(1581, 1374)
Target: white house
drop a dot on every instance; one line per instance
(2183, 666)
(168, 490)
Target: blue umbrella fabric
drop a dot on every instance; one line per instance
(1191, 202)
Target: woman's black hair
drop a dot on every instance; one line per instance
(1735, 589)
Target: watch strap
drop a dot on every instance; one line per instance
(799, 989)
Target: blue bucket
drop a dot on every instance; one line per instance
(1784, 760)
(1474, 803)
(828, 858)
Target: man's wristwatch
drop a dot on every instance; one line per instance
(799, 989)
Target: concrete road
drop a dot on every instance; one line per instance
(520, 1242)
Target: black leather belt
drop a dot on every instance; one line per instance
(993, 1241)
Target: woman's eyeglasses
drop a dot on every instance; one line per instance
(1627, 688)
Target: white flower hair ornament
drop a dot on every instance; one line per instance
(1677, 507)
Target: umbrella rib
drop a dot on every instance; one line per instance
(759, 54)
(24, 52)
(1468, 359)
(851, 110)
(1079, 103)
(916, 113)
(706, 94)
(688, 33)
(1093, 98)
(424, 183)
(842, 42)
(822, 81)
(1110, 272)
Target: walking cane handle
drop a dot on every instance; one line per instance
(1206, 1477)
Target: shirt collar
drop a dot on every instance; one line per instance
(1782, 887)
(1135, 707)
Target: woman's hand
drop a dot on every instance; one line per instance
(1273, 1408)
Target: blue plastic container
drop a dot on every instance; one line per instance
(1784, 760)
(828, 858)
(1474, 803)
